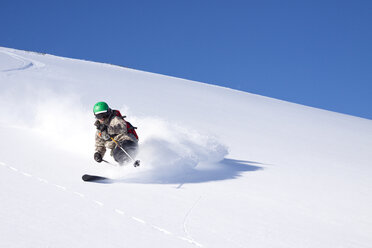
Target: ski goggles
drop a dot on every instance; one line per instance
(102, 115)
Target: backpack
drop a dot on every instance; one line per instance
(131, 129)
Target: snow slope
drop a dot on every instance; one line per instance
(220, 167)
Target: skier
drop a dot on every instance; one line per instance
(115, 133)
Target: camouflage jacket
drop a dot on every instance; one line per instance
(116, 128)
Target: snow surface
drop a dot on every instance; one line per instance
(220, 167)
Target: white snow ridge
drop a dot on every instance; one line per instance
(219, 167)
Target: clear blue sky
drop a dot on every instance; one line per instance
(317, 53)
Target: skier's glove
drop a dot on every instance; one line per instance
(98, 157)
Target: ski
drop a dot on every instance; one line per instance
(93, 178)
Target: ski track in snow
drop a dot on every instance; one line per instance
(26, 63)
(188, 239)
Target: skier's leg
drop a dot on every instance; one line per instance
(118, 155)
(129, 146)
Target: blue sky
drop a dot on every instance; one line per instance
(316, 53)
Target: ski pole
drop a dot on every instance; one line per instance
(136, 162)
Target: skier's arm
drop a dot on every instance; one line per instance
(100, 145)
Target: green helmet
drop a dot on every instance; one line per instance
(101, 110)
